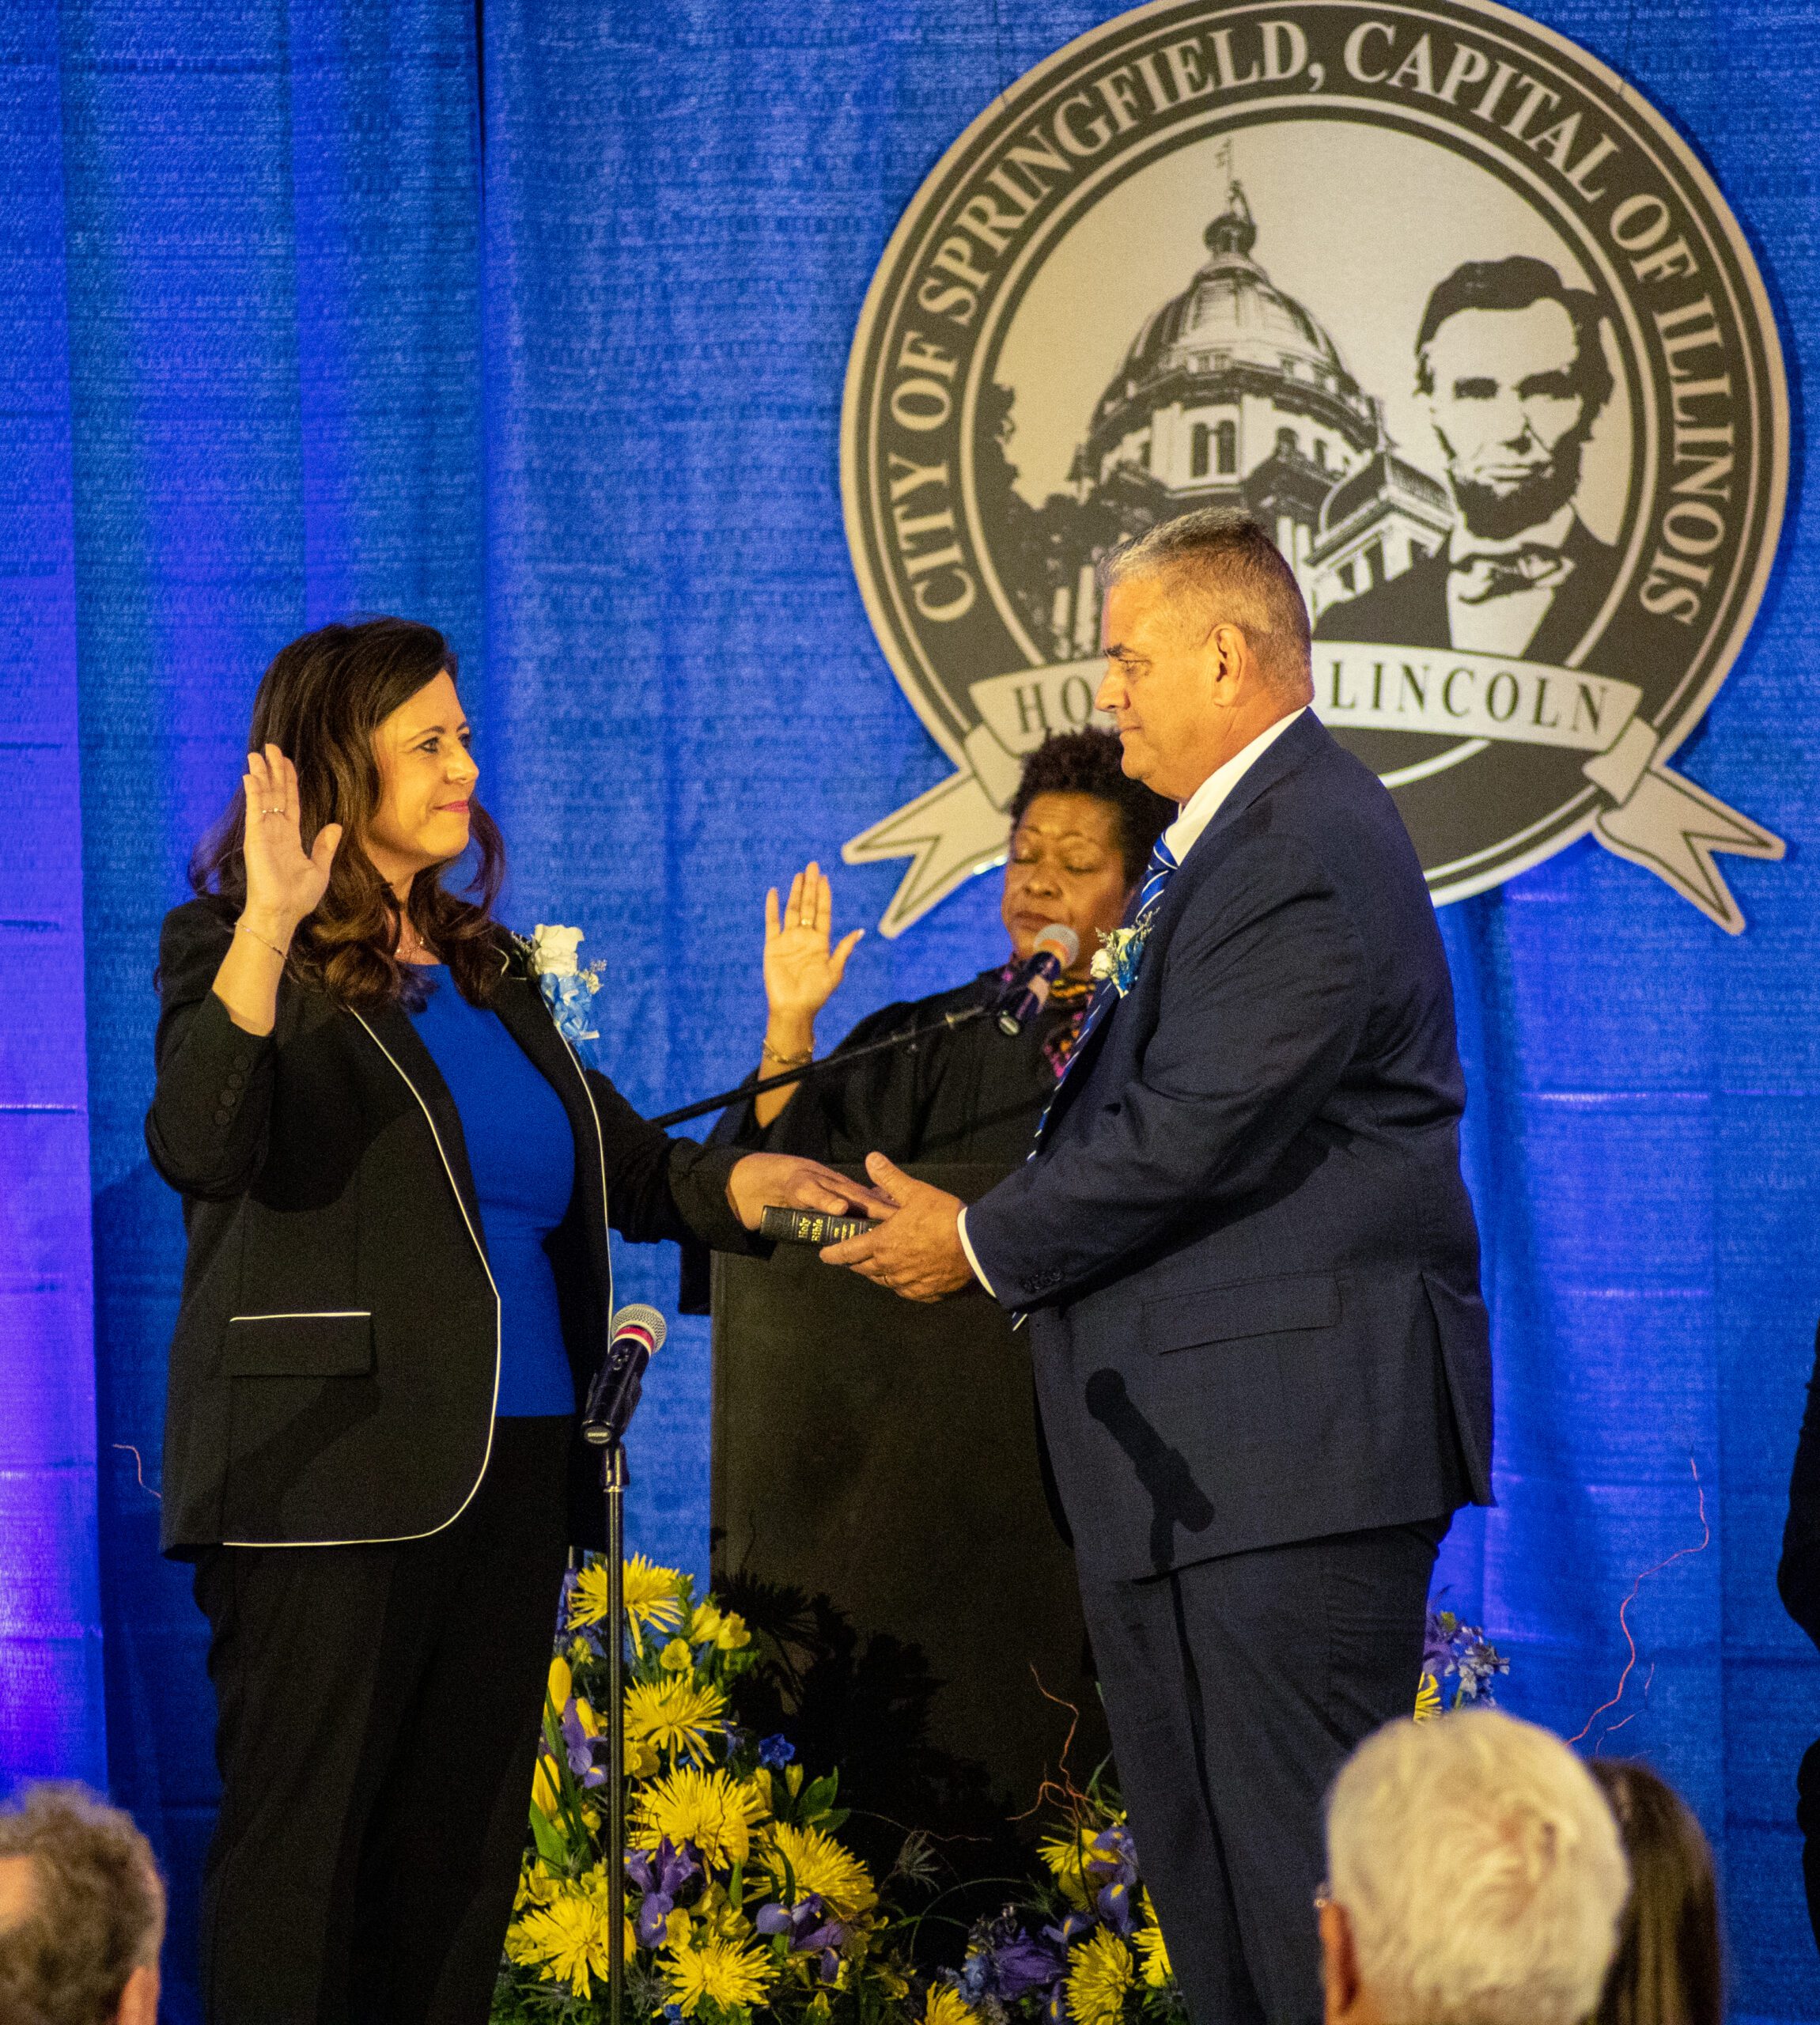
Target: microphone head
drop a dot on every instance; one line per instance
(1062, 939)
(642, 1322)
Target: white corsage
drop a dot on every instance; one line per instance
(567, 985)
(1121, 951)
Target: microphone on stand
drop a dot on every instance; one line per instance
(638, 1333)
(1026, 995)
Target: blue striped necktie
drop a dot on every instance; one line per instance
(1157, 874)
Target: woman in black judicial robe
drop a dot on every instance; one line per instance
(1081, 835)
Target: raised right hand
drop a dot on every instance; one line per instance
(284, 883)
(801, 970)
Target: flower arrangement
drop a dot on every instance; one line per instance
(1088, 1949)
(1460, 1653)
(567, 985)
(740, 1894)
(742, 1900)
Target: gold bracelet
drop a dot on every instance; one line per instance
(785, 1060)
(240, 927)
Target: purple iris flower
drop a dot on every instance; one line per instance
(1112, 1861)
(803, 1924)
(775, 1752)
(1004, 1962)
(659, 1878)
(580, 1748)
(807, 1931)
(1070, 1930)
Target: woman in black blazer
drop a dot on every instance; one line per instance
(393, 1301)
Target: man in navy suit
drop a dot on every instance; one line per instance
(1250, 1266)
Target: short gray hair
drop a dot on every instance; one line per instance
(1225, 558)
(1479, 1869)
(98, 1907)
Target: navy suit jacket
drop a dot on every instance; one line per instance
(1248, 1256)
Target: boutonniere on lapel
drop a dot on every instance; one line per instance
(1121, 951)
(568, 987)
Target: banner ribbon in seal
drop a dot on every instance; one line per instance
(1656, 818)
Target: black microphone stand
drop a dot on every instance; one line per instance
(842, 1058)
(607, 1431)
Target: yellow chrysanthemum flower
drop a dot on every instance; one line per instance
(1098, 1977)
(1152, 1949)
(1427, 1699)
(566, 1941)
(718, 1972)
(712, 1810)
(653, 1597)
(680, 1716)
(535, 1887)
(1067, 1856)
(946, 2006)
(816, 1863)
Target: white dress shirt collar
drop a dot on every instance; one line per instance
(1205, 802)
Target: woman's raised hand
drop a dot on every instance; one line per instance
(284, 883)
(801, 971)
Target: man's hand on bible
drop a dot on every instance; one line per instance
(917, 1250)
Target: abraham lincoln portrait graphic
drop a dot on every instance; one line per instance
(1512, 373)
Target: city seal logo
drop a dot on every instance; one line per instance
(1429, 291)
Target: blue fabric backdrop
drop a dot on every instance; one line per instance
(534, 327)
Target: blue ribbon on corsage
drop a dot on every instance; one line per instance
(1120, 956)
(568, 987)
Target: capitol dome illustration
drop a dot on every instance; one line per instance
(1232, 394)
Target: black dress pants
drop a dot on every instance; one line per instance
(379, 1713)
(1235, 1690)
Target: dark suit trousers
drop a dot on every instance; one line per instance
(1234, 1690)
(379, 1713)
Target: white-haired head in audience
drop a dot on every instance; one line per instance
(1475, 1877)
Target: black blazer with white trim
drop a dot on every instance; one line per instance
(335, 1364)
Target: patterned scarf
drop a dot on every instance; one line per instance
(1074, 992)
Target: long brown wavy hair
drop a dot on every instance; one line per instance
(320, 702)
(1670, 1967)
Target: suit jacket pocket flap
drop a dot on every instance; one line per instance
(1250, 1307)
(332, 1343)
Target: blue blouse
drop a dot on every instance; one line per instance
(521, 1153)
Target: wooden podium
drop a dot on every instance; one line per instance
(884, 1455)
